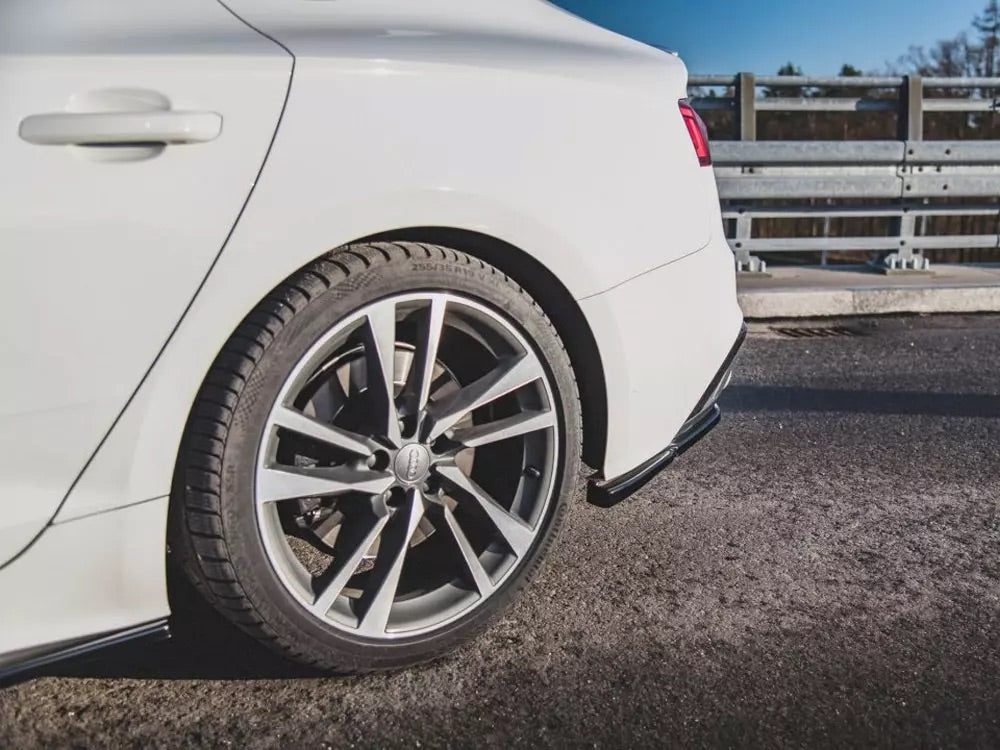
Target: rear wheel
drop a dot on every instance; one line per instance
(379, 458)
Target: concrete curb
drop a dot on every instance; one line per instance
(816, 292)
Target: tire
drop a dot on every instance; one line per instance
(249, 488)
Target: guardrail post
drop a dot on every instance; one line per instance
(906, 259)
(911, 128)
(911, 109)
(745, 262)
(746, 102)
(745, 94)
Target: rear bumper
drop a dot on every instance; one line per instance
(706, 415)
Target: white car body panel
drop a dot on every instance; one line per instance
(498, 109)
(661, 363)
(508, 118)
(101, 251)
(95, 575)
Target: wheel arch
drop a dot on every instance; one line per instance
(130, 464)
(557, 302)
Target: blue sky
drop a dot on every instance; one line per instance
(724, 36)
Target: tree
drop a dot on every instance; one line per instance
(786, 92)
(988, 26)
(949, 58)
(846, 71)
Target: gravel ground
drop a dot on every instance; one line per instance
(822, 570)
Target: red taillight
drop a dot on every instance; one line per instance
(698, 132)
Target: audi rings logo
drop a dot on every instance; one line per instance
(413, 466)
(412, 463)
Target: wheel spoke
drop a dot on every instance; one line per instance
(298, 422)
(508, 376)
(381, 360)
(427, 349)
(479, 575)
(515, 532)
(502, 429)
(289, 482)
(391, 558)
(343, 569)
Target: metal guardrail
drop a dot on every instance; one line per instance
(867, 179)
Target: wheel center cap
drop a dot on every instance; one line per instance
(412, 463)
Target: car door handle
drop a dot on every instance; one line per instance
(113, 128)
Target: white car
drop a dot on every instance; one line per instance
(322, 303)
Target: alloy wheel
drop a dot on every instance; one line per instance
(406, 467)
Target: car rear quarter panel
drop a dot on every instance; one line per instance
(511, 119)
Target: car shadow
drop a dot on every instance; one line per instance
(916, 680)
(202, 646)
(750, 398)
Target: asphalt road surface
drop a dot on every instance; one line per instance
(823, 570)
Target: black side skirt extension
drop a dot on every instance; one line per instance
(608, 492)
(29, 660)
